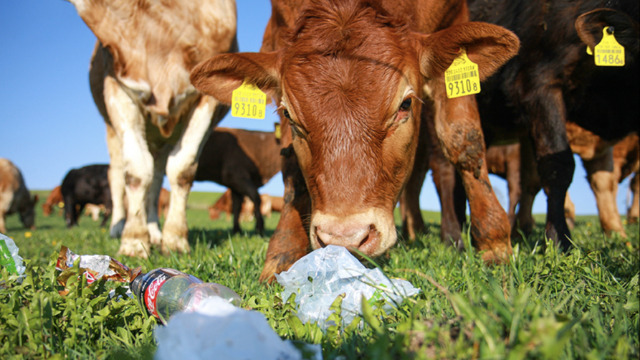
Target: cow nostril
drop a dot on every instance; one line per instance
(370, 239)
(319, 238)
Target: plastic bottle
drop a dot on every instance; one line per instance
(164, 291)
(9, 257)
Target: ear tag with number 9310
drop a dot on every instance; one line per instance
(461, 78)
(608, 52)
(248, 101)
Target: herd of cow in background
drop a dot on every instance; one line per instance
(365, 115)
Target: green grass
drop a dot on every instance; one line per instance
(544, 304)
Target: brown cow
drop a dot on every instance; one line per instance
(243, 161)
(349, 77)
(156, 120)
(14, 196)
(54, 199)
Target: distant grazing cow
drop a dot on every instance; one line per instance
(14, 196)
(156, 120)
(243, 161)
(86, 185)
(54, 199)
(349, 77)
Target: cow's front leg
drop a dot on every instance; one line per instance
(181, 169)
(153, 220)
(116, 183)
(604, 185)
(460, 134)
(290, 240)
(633, 213)
(554, 158)
(129, 124)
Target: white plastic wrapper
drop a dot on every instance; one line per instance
(15, 260)
(219, 330)
(319, 277)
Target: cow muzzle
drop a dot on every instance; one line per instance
(371, 232)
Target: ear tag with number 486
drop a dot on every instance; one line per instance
(608, 52)
(248, 101)
(461, 78)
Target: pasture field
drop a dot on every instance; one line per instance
(544, 304)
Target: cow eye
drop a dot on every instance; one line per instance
(286, 114)
(406, 105)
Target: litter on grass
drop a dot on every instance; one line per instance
(319, 277)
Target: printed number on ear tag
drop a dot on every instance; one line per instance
(608, 52)
(462, 77)
(248, 101)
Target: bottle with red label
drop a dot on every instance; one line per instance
(164, 291)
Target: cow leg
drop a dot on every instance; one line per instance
(290, 240)
(70, 211)
(257, 210)
(529, 187)
(153, 218)
(458, 127)
(633, 213)
(116, 183)
(181, 169)
(412, 222)
(570, 212)
(137, 164)
(513, 185)
(553, 156)
(3, 228)
(236, 208)
(605, 187)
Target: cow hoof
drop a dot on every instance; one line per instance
(279, 263)
(134, 247)
(155, 234)
(116, 229)
(173, 243)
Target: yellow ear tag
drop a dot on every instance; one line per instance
(277, 131)
(462, 77)
(608, 52)
(248, 101)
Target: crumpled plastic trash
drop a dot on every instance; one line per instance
(9, 257)
(319, 277)
(219, 330)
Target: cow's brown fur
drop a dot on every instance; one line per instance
(54, 199)
(156, 120)
(14, 196)
(342, 72)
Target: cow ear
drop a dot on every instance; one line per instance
(221, 74)
(590, 24)
(489, 46)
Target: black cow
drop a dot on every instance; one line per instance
(89, 184)
(243, 161)
(553, 80)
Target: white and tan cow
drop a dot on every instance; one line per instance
(156, 120)
(14, 196)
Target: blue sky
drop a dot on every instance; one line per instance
(49, 123)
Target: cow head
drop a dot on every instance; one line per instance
(27, 212)
(627, 29)
(350, 84)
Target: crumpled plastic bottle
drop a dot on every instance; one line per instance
(164, 292)
(9, 257)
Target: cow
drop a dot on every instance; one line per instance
(14, 196)
(86, 185)
(551, 81)
(243, 161)
(349, 78)
(156, 121)
(54, 199)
